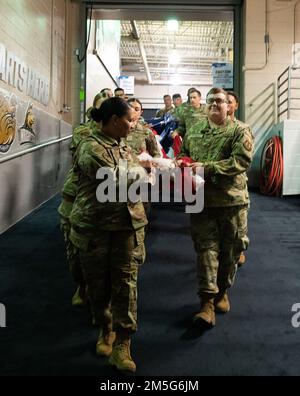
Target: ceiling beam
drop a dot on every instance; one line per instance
(136, 36)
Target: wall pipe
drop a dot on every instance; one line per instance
(267, 42)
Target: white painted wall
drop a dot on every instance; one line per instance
(152, 95)
(260, 89)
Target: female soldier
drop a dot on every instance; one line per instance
(141, 138)
(109, 235)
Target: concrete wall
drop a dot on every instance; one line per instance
(260, 85)
(152, 95)
(43, 34)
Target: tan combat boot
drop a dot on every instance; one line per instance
(222, 302)
(206, 315)
(242, 259)
(105, 342)
(120, 357)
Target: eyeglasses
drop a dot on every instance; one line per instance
(218, 101)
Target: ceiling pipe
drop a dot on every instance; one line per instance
(137, 37)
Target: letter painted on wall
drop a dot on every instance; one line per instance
(15, 72)
(7, 122)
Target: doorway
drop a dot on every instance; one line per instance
(162, 49)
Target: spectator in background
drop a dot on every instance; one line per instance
(106, 93)
(119, 92)
(189, 114)
(233, 104)
(177, 99)
(168, 107)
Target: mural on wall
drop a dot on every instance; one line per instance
(7, 122)
(26, 132)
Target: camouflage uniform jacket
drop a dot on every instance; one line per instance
(162, 112)
(79, 133)
(226, 154)
(187, 116)
(69, 189)
(88, 214)
(141, 138)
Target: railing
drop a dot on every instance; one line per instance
(32, 149)
(287, 89)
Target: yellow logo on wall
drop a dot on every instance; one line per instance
(26, 132)
(7, 122)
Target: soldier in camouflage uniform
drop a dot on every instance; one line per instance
(141, 138)
(233, 105)
(109, 236)
(168, 107)
(69, 192)
(177, 100)
(224, 149)
(187, 115)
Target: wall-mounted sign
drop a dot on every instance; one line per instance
(127, 83)
(15, 72)
(222, 75)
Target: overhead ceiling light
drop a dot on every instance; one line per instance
(172, 25)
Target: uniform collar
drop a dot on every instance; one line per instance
(214, 126)
(107, 139)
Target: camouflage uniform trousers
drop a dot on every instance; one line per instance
(72, 255)
(219, 235)
(110, 265)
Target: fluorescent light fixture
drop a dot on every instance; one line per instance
(172, 25)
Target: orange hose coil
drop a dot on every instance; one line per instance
(271, 167)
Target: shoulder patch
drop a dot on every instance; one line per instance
(247, 144)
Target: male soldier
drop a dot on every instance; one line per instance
(119, 92)
(193, 111)
(168, 107)
(177, 100)
(179, 111)
(224, 149)
(233, 104)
